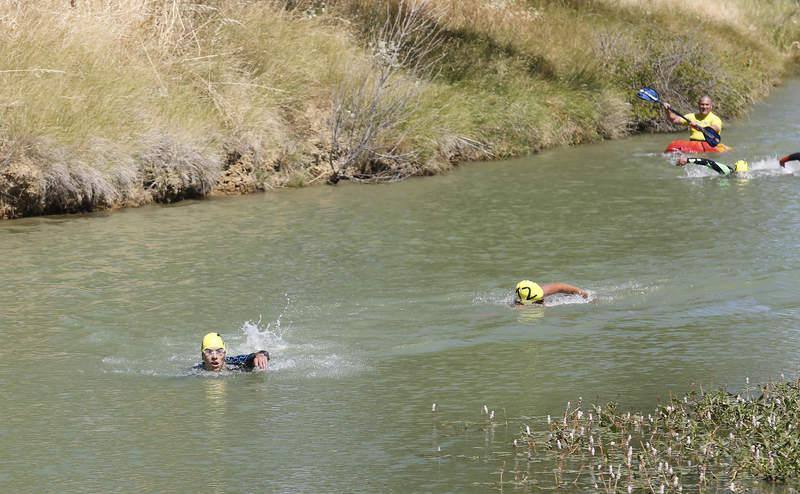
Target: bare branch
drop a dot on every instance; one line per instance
(370, 104)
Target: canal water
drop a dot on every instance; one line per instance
(377, 302)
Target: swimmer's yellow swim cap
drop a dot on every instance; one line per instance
(212, 340)
(528, 292)
(741, 166)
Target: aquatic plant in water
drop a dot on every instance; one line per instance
(701, 442)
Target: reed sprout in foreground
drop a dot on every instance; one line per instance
(701, 442)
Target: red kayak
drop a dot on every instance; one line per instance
(684, 146)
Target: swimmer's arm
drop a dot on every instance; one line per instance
(790, 157)
(250, 361)
(553, 288)
(704, 162)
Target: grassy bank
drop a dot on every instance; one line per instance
(125, 102)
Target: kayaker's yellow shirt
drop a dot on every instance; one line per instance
(708, 121)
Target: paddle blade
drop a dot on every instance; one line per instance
(648, 94)
(711, 135)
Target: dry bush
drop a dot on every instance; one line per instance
(614, 115)
(40, 177)
(172, 170)
(459, 148)
(116, 162)
(373, 102)
(275, 101)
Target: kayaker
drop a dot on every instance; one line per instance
(789, 157)
(721, 168)
(527, 292)
(212, 351)
(703, 118)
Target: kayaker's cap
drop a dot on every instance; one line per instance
(528, 292)
(741, 166)
(213, 341)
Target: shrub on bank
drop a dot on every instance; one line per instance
(243, 95)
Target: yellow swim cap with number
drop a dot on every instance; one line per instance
(528, 292)
(213, 341)
(741, 166)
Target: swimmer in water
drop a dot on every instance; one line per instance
(528, 292)
(721, 168)
(212, 350)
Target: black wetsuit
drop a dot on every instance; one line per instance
(720, 168)
(244, 362)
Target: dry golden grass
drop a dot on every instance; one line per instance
(728, 11)
(123, 102)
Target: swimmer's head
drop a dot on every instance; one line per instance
(528, 292)
(741, 166)
(212, 341)
(212, 350)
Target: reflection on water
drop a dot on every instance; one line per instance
(530, 314)
(376, 302)
(215, 405)
(213, 428)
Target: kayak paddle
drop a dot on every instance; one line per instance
(651, 95)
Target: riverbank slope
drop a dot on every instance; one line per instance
(116, 104)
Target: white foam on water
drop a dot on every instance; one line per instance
(628, 285)
(792, 167)
(624, 290)
(697, 171)
(766, 167)
(311, 360)
(564, 299)
(497, 297)
(269, 337)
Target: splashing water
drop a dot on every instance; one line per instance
(564, 299)
(766, 167)
(495, 297)
(507, 298)
(269, 337)
(314, 360)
